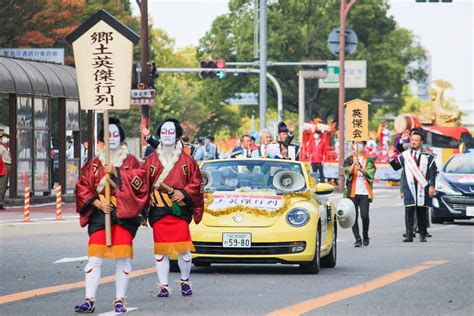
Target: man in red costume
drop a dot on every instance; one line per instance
(176, 197)
(128, 198)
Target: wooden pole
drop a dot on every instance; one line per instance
(108, 225)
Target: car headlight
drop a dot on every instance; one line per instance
(297, 217)
(444, 187)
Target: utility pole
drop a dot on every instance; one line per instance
(144, 58)
(344, 11)
(263, 65)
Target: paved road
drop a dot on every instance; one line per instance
(388, 277)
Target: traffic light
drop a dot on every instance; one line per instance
(204, 74)
(153, 75)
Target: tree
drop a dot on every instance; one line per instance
(297, 31)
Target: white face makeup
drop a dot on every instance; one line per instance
(5, 140)
(168, 134)
(114, 137)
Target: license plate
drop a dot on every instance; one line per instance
(470, 211)
(236, 240)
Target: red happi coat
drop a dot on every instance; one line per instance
(184, 176)
(130, 198)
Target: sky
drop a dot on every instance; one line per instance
(446, 30)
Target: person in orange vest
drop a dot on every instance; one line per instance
(359, 169)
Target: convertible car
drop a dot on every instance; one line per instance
(267, 211)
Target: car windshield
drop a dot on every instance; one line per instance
(246, 175)
(463, 164)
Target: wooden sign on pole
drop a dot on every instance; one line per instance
(103, 54)
(357, 120)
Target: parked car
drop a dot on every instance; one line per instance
(454, 197)
(266, 211)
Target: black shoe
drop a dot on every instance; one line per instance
(422, 238)
(2, 207)
(413, 235)
(358, 243)
(366, 242)
(406, 239)
(428, 235)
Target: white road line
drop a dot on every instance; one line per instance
(63, 260)
(340, 240)
(111, 313)
(44, 219)
(443, 227)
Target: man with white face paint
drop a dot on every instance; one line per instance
(128, 198)
(176, 197)
(360, 171)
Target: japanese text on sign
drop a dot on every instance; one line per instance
(261, 202)
(357, 120)
(103, 75)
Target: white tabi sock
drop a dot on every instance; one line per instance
(122, 271)
(162, 264)
(92, 270)
(184, 262)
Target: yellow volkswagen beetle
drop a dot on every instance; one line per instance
(265, 211)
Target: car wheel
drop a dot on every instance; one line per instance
(174, 267)
(314, 266)
(329, 261)
(202, 264)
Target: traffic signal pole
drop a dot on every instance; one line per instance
(144, 58)
(236, 70)
(263, 65)
(344, 10)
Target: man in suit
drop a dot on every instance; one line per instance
(243, 150)
(417, 186)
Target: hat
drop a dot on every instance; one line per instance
(282, 128)
(4, 131)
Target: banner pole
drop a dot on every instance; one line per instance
(108, 225)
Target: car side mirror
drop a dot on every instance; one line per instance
(324, 188)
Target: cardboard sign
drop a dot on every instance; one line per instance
(103, 53)
(357, 120)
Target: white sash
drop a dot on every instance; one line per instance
(412, 172)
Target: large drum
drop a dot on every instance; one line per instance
(406, 121)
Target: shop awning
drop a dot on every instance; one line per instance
(37, 78)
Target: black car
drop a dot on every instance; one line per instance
(454, 197)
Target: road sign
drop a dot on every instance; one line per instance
(143, 97)
(244, 99)
(351, 41)
(355, 74)
(357, 120)
(103, 53)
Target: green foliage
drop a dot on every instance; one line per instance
(297, 31)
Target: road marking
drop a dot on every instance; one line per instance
(65, 287)
(442, 227)
(384, 280)
(112, 313)
(36, 221)
(63, 260)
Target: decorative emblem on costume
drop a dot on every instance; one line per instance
(136, 183)
(152, 170)
(95, 169)
(238, 218)
(185, 170)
